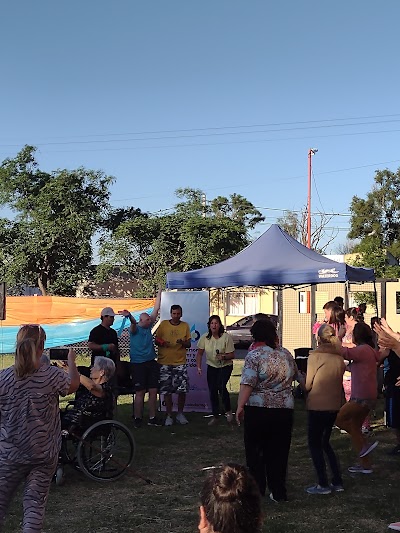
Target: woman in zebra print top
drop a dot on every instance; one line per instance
(30, 429)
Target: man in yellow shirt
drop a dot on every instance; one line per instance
(173, 339)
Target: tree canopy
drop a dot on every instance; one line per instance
(196, 234)
(49, 243)
(375, 221)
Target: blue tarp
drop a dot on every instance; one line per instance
(63, 334)
(274, 259)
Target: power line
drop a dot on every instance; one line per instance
(216, 128)
(201, 135)
(194, 145)
(236, 186)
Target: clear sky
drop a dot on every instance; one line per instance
(222, 95)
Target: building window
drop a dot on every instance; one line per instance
(243, 303)
(398, 303)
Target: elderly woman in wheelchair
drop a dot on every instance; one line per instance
(102, 448)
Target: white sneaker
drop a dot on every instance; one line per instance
(181, 419)
(169, 421)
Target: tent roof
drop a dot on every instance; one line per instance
(274, 259)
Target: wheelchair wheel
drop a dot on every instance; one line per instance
(105, 450)
(59, 476)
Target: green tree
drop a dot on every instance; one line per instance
(193, 236)
(49, 243)
(376, 222)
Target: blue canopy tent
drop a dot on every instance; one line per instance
(275, 259)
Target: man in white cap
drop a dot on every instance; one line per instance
(103, 339)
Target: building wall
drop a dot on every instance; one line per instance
(295, 326)
(393, 306)
(264, 303)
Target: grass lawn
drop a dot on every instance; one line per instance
(173, 458)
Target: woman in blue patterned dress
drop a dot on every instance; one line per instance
(266, 403)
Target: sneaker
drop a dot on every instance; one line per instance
(336, 488)
(367, 431)
(395, 526)
(271, 497)
(229, 417)
(368, 448)
(358, 469)
(395, 450)
(156, 422)
(137, 423)
(168, 421)
(213, 421)
(181, 419)
(317, 489)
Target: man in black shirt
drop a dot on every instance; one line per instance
(103, 339)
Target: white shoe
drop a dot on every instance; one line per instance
(181, 419)
(168, 421)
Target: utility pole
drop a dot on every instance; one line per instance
(311, 152)
(204, 204)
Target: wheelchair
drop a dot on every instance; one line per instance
(103, 449)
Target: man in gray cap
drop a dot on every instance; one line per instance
(103, 339)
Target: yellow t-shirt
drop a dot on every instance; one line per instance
(223, 344)
(174, 354)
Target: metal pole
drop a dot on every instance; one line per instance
(311, 152)
(309, 201)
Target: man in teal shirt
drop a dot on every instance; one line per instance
(145, 369)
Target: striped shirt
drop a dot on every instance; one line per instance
(30, 428)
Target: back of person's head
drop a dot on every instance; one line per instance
(357, 313)
(339, 301)
(327, 335)
(29, 348)
(337, 316)
(362, 334)
(261, 316)
(264, 331)
(231, 501)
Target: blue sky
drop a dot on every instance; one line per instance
(165, 94)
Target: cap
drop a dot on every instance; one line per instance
(107, 311)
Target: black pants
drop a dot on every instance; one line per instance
(319, 432)
(217, 379)
(267, 438)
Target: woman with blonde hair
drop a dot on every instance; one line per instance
(30, 429)
(324, 386)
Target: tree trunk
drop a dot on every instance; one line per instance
(42, 287)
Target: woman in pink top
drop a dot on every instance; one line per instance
(364, 360)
